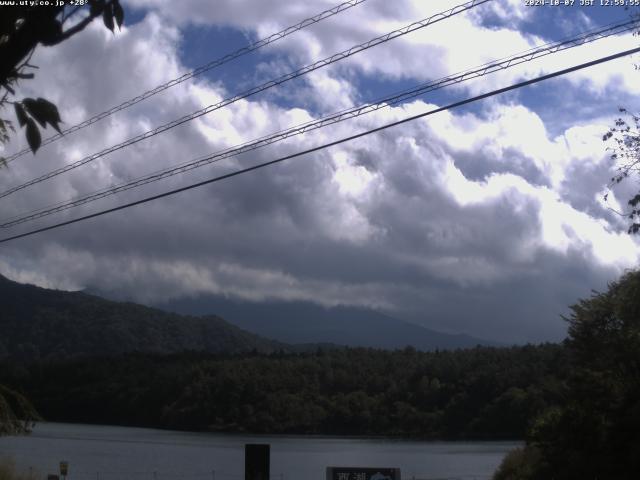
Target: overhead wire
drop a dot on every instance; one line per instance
(197, 71)
(254, 90)
(329, 144)
(490, 67)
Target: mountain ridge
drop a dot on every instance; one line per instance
(304, 322)
(38, 323)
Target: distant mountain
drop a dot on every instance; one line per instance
(37, 323)
(304, 322)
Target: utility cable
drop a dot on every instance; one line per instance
(197, 71)
(330, 144)
(491, 67)
(252, 91)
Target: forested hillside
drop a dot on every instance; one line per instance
(480, 393)
(37, 323)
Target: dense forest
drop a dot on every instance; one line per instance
(480, 393)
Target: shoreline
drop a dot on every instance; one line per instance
(318, 436)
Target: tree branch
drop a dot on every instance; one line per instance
(78, 27)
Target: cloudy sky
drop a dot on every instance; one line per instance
(487, 219)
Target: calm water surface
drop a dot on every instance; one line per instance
(119, 453)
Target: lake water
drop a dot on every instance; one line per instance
(119, 453)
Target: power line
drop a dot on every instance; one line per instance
(197, 71)
(330, 144)
(272, 83)
(354, 112)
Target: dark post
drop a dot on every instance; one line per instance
(256, 461)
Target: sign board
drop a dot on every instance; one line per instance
(362, 473)
(256, 461)
(64, 468)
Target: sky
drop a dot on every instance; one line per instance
(486, 219)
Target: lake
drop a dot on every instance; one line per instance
(120, 453)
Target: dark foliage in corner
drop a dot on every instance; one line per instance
(594, 431)
(22, 29)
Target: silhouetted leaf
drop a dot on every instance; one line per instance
(50, 113)
(95, 7)
(33, 135)
(118, 12)
(43, 111)
(107, 17)
(31, 105)
(20, 113)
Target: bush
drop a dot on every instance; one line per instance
(17, 415)
(520, 464)
(8, 471)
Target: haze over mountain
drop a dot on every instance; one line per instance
(305, 322)
(38, 323)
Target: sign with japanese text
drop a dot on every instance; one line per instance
(362, 473)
